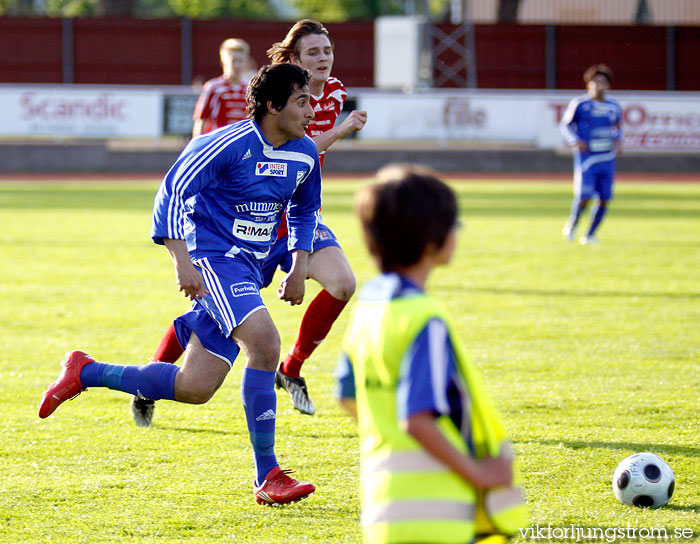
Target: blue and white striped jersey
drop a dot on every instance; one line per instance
(228, 189)
(596, 123)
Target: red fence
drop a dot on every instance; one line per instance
(30, 50)
(173, 52)
(135, 51)
(539, 57)
(510, 57)
(154, 52)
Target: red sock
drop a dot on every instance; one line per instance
(169, 349)
(315, 325)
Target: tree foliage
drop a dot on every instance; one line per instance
(195, 9)
(344, 10)
(324, 10)
(221, 9)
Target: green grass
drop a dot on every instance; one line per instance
(592, 354)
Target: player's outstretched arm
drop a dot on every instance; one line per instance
(189, 279)
(352, 123)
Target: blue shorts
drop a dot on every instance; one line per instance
(234, 294)
(281, 257)
(198, 321)
(594, 177)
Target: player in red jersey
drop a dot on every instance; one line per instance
(308, 45)
(222, 100)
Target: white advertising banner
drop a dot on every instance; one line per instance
(456, 115)
(88, 112)
(652, 122)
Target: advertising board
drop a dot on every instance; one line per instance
(80, 112)
(652, 122)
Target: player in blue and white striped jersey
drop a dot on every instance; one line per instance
(591, 124)
(217, 212)
(227, 192)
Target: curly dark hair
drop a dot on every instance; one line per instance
(273, 83)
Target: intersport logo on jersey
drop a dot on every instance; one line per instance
(252, 231)
(277, 169)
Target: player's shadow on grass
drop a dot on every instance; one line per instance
(578, 293)
(196, 430)
(659, 449)
(688, 508)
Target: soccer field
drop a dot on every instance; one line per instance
(591, 352)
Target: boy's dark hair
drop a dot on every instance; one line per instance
(595, 70)
(274, 83)
(407, 210)
(282, 51)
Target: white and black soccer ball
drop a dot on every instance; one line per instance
(644, 479)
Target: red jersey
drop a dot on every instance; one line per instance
(219, 104)
(327, 108)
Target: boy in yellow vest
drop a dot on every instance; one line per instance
(436, 467)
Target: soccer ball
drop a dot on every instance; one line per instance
(644, 479)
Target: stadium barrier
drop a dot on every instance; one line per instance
(491, 123)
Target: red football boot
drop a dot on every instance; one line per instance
(278, 488)
(67, 386)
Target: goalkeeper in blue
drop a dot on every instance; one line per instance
(217, 213)
(591, 124)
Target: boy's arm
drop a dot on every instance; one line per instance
(488, 472)
(423, 395)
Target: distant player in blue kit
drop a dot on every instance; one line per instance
(591, 124)
(217, 212)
